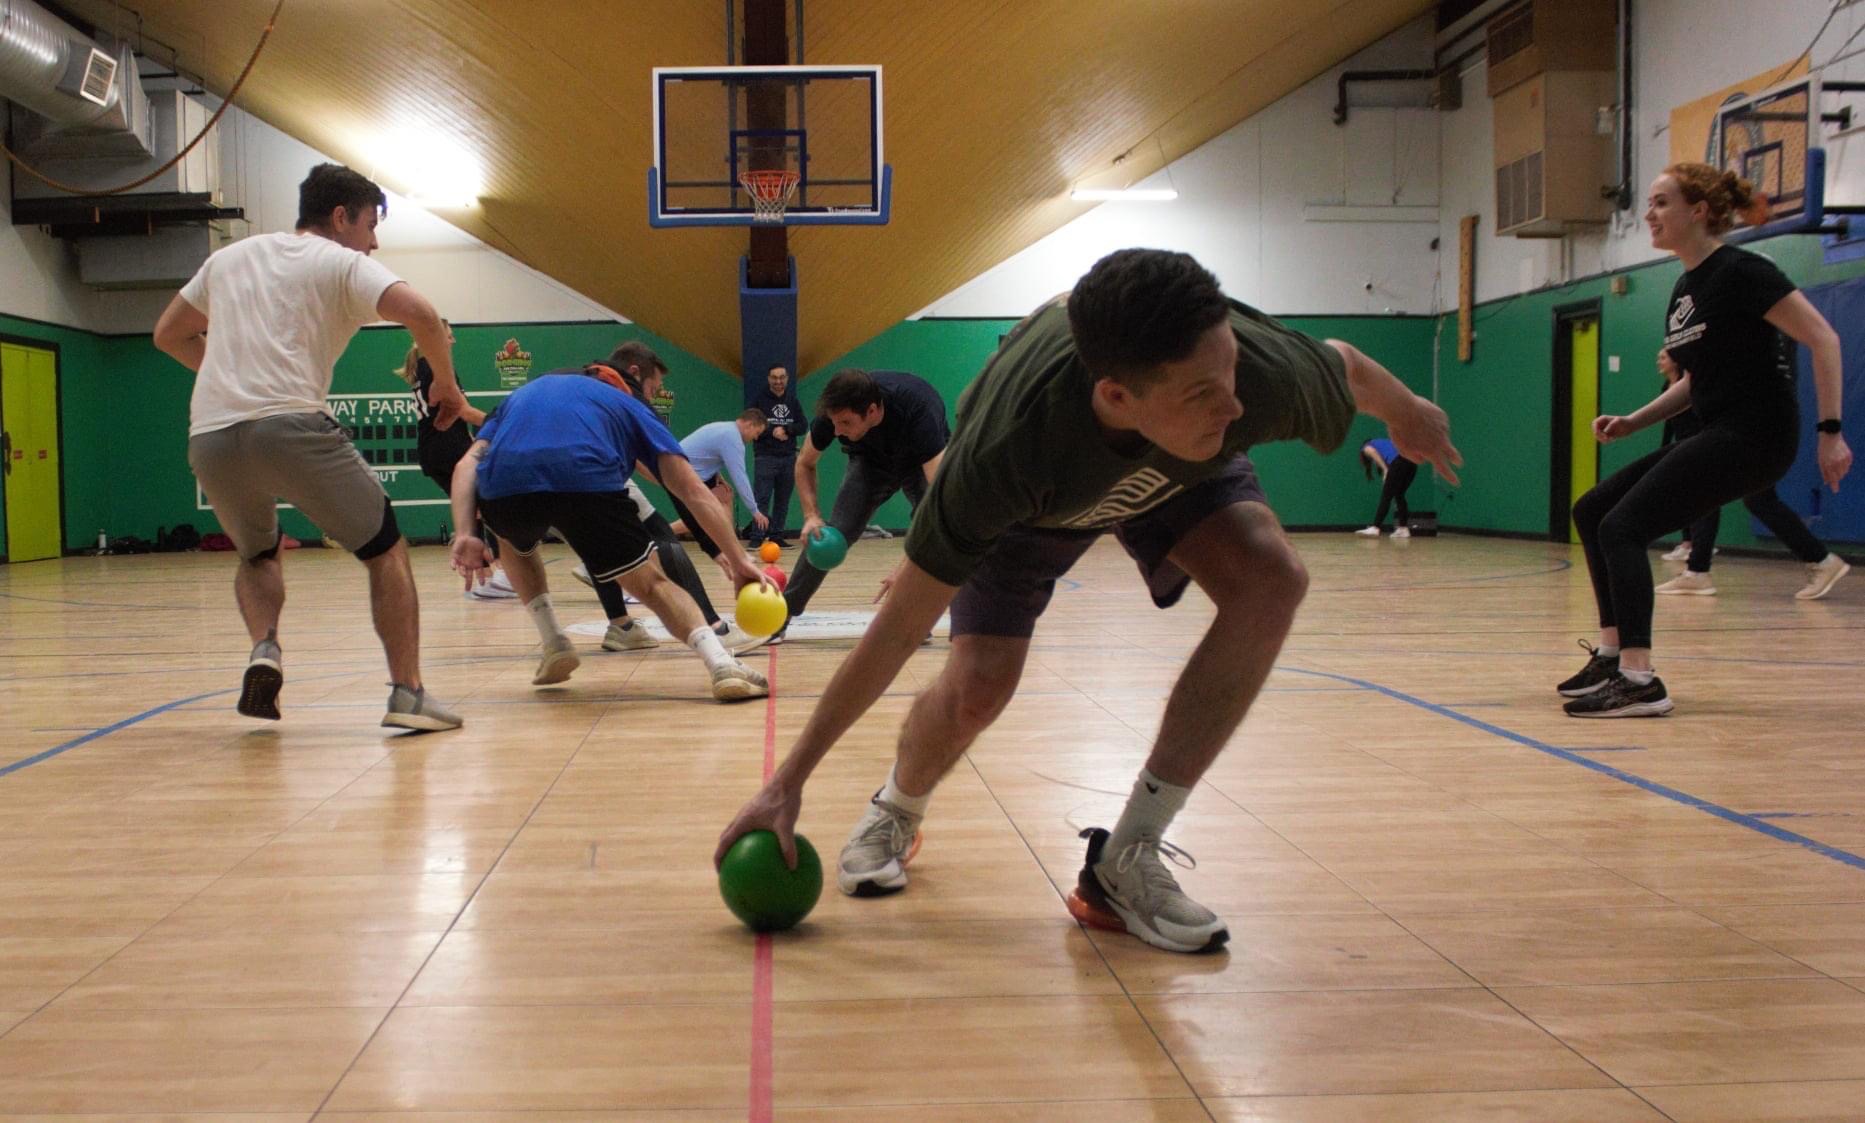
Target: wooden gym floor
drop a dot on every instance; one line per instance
(1447, 900)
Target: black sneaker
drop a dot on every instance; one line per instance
(1597, 673)
(1621, 697)
(260, 686)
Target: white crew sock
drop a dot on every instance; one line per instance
(544, 617)
(891, 793)
(1607, 649)
(1638, 678)
(705, 642)
(1148, 813)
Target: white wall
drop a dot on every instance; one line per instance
(38, 273)
(261, 167)
(1242, 196)
(1682, 50)
(1241, 205)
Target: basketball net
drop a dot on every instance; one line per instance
(770, 193)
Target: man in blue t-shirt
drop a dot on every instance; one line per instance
(558, 453)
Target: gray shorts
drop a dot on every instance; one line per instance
(1010, 589)
(307, 460)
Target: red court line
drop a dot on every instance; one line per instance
(761, 970)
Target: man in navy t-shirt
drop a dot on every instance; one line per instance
(558, 453)
(893, 427)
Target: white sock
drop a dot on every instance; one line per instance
(1638, 678)
(544, 617)
(1149, 811)
(891, 793)
(705, 642)
(1607, 649)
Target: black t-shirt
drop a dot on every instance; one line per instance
(431, 442)
(912, 429)
(786, 411)
(1740, 366)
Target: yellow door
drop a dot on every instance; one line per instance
(1584, 449)
(29, 422)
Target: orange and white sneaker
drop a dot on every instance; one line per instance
(1134, 892)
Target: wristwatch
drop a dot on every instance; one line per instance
(1830, 425)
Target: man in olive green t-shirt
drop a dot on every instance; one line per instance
(1126, 406)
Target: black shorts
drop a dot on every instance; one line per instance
(1008, 592)
(603, 527)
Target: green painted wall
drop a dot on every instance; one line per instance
(1305, 488)
(1501, 402)
(124, 409)
(124, 406)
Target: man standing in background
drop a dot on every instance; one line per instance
(774, 454)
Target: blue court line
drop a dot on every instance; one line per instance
(108, 729)
(1758, 825)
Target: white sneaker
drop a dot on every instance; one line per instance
(560, 658)
(1679, 552)
(499, 588)
(1369, 532)
(1134, 891)
(737, 641)
(581, 573)
(1401, 532)
(874, 859)
(1689, 583)
(1822, 575)
(632, 636)
(736, 682)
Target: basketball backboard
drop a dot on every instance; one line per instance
(714, 124)
(1776, 140)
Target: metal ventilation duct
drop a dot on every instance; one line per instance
(52, 69)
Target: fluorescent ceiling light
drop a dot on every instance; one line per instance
(444, 202)
(432, 170)
(1123, 194)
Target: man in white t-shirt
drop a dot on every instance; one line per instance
(282, 308)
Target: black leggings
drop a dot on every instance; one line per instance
(1665, 491)
(1774, 514)
(674, 561)
(1399, 476)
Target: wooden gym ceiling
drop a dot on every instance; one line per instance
(993, 108)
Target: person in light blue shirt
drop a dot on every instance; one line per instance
(719, 449)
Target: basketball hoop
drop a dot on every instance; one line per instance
(770, 192)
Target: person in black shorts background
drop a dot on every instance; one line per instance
(1723, 330)
(555, 454)
(893, 428)
(438, 451)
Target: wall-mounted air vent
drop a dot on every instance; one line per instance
(100, 73)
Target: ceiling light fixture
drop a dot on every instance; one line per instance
(1123, 194)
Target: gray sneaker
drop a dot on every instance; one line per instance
(1133, 891)
(629, 636)
(559, 659)
(735, 682)
(874, 860)
(265, 674)
(411, 708)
